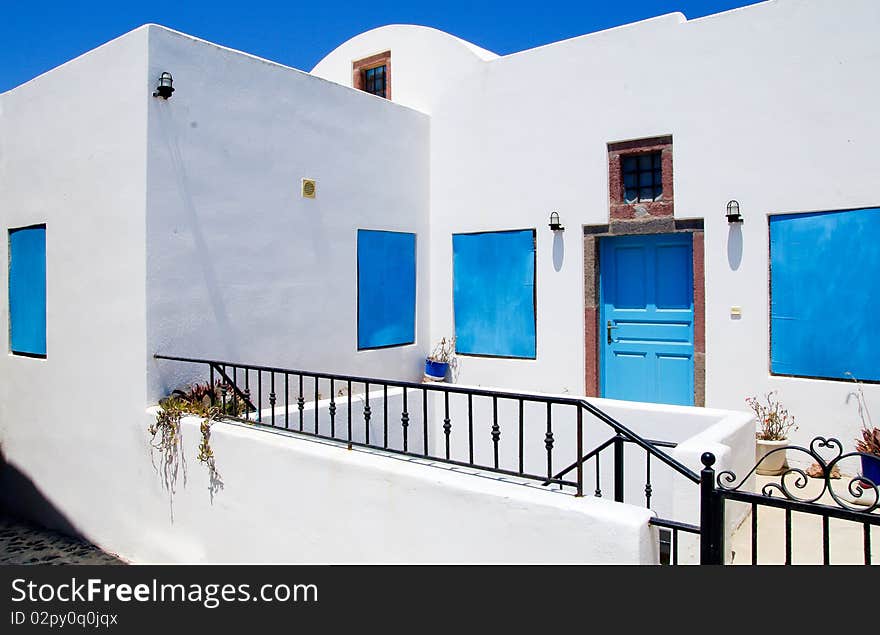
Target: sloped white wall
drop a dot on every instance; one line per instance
(294, 500)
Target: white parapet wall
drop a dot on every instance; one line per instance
(731, 440)
(298, 500)
(728, 435)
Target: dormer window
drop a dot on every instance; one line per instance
(374, 80)
(373, 74)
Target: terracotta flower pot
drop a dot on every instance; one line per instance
(775, 463)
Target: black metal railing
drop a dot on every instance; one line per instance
(475, 429)
(296, 402)
(617, 444)
(670, 533)
(858, 502)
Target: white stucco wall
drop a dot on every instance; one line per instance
(177, 227)
(169, 229)
(73, 156)
(240, 267)
(425, 64)
(766, 104)
(314, 502)
(729, 435)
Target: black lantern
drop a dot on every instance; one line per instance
(733, 215)
(555, 225)
(165, 88)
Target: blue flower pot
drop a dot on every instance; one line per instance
(436, 371)
(871, 468)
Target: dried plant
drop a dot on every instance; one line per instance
(165, 438)
(870, 441)
(206, 456)
(444, 351)
(205, 401)
(775, 421)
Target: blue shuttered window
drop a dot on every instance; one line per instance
(494, 293)
(386, 288)
(27, 291)
(824, 286)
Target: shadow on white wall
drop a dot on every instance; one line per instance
(735, 246)
(558, 250)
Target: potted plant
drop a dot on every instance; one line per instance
(869, 445)
(774, 425)
(443, 357)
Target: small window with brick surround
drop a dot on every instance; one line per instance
(373, 74)
(374, 81)
(642, 177)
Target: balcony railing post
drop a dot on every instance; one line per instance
(618, 468)
(580, 451)
(711, 515)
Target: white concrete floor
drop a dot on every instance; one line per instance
(846, 539)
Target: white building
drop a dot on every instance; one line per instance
(180, 226)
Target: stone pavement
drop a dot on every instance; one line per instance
(21, 543)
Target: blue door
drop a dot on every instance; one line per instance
(646, 329)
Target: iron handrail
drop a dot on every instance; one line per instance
(437, 387)
(652, 448)
(589, 455)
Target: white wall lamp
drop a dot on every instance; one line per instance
(555, 225)
(165, 86)
(733, 215)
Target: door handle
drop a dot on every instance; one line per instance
(610, 326)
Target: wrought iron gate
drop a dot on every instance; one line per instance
(854, 500)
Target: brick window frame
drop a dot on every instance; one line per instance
(359, 66)
(618, 207)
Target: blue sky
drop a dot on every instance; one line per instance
(38, 35)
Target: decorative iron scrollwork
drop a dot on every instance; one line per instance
(827, 454)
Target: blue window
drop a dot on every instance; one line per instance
(386, 288)
(27, 291)
(824, 285)
(494, 293)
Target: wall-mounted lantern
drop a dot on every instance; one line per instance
(555, 225)
(733, 215)
(165, 86)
